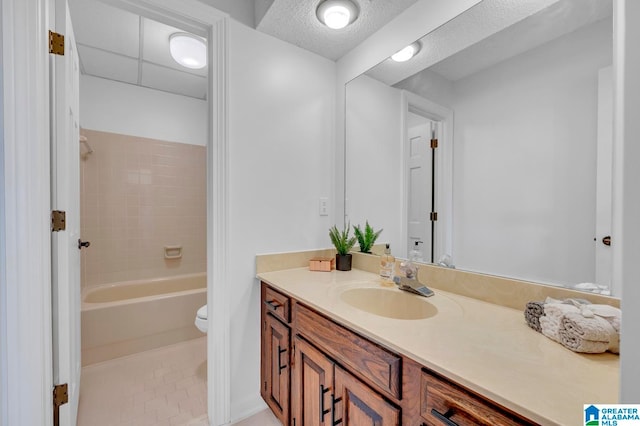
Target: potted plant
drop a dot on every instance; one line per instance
(343, 243)
(366, 239)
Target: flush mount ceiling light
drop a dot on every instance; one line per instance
(407, 53)
(188, 50)
(337, 14)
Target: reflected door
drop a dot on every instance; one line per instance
(604, 173)
(420, 184)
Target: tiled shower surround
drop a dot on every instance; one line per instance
(139, 195)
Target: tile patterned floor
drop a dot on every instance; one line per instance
(161, 387)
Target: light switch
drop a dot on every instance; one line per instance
(324, 206)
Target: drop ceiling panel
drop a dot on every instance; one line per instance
(108, 65)
(99, 25)
(156, 46)
(170, 80)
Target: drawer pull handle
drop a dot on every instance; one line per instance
(280, 366)
(334, 401)
(444, 418)
(323, 412)
(272, 304)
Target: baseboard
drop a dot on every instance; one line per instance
(247, 407)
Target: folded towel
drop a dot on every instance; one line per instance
(532, 314)
(608, 312)
(588, 334)
(551, 322)
(570, 301)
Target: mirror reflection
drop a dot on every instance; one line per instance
(492, 145)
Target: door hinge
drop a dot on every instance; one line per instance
(265, 385)
(58, 220)
(60, 397)
(433, 216)
(56, 43)
(434, 143)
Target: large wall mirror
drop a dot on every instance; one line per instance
(518, 95)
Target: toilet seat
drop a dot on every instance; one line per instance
(201, 319)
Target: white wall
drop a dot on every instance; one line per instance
(240, 10)
(429, 85)
(281, 128)
(127, 109)
(525, 161)
(374, 166)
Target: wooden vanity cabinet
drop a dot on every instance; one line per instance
(275, 354)
(312, 385)
(339, 377)
(325, 394)
(443, 403)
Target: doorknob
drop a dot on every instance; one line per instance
(606, 240)
(83, 244)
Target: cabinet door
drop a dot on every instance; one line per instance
(312, 386)
(275, 358)
(356, 404)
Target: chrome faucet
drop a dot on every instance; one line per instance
(412, 285)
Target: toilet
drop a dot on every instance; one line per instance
(201, 319)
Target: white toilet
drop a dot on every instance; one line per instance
(201, 319)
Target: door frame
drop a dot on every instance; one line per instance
(410, 102)
(25, 204)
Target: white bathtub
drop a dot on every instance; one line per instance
(124, 318)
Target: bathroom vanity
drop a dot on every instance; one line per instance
(343, 348)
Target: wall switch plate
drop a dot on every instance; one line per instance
(324, 206)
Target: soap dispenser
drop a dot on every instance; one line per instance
(387, 265)
(409, 268)
(415, 255)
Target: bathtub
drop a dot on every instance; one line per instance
(128, 317)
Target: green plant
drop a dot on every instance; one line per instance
(341, 239)
(367, 238)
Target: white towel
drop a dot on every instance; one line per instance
(589, 334)
(608, 312)
(551, 322)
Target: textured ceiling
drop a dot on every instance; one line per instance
(490, 32)
(295, 21)
(118, 45)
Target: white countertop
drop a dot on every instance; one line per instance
(485, 347)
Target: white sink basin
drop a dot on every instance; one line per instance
(389, 303)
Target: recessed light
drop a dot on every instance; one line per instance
(188, 50)
(407, 53)
(337, 14)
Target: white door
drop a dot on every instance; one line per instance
(604, 173)
(65, 195)
(419, 185)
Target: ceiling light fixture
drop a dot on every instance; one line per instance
(337, 14)
(407, 53)
(188, 50)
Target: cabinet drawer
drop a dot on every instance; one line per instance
(443, 403)
(375, 365)
(276, 303)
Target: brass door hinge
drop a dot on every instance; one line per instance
(58, 220)
(56, 43)
(434, 143)
(433, 216)
(60, 397)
